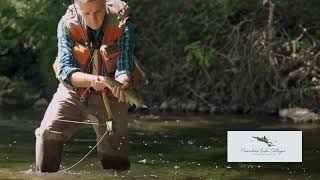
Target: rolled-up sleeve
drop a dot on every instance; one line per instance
(66, 65)
(125, 61)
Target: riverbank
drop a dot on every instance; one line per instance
(17, 94)
(207, 57)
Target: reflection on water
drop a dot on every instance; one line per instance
(166, 148)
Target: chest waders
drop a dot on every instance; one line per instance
(49, 143)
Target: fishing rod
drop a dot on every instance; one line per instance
(109, 129)
(91, 49)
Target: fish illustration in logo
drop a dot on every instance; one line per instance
(264, 139)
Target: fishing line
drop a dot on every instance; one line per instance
(78, 122)
(66, 169)
(91, 50)
(91, 59)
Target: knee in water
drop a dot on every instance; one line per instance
(115, 163)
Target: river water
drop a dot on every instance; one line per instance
(169, 147)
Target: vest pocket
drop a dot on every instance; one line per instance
(81, 55)
(109, 53)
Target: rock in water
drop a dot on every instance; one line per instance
(29, 171)
(299, 115)
(204, 109)
(164, 106)
(191, 106)
(40, 104)
(213, 109)
(4, 82)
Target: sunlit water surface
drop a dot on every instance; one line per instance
(171, 147)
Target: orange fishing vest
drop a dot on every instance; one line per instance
(114, 21)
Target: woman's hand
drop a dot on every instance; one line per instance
(117, 92)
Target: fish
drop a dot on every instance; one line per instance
(131, 95)
(264, 139)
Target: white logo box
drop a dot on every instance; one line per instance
(264, 146)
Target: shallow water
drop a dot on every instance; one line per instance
(181, 147)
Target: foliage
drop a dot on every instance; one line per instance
(28, 41)
(218, 51)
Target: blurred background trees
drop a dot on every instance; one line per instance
(253, 55)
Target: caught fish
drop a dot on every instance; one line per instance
(131, 96)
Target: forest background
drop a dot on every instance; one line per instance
(242, 56)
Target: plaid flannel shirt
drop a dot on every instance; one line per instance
(68, 66)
